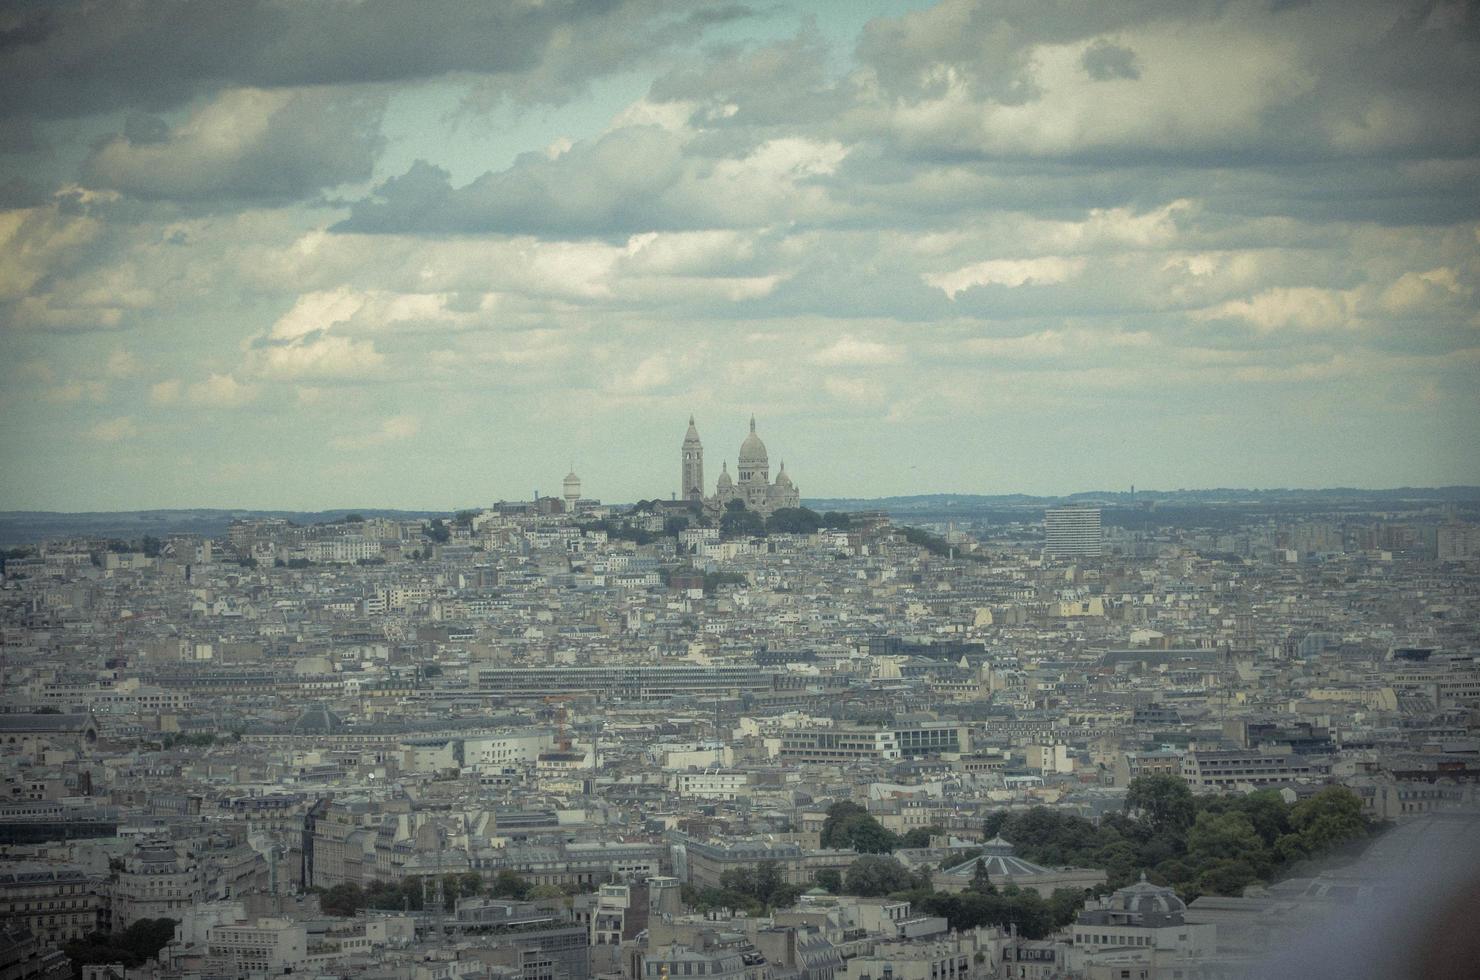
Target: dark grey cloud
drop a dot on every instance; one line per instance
(141, 129)
(21, 192)
(247, 144)
(75, 58)
(1106, 62)
(786, 83)
(612, 185)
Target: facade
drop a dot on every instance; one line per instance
(156, 882)
(52, 902)
(703, 863)
(1072, 532)
(932, 959)
(267, 946)
(1217, 770)
(833, 745)
(26, 957)
(1157, 762)
(752, 485)
(1142, 929)
(638, 682)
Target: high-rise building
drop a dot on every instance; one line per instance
(1072, 531)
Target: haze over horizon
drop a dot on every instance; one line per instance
(419, 256)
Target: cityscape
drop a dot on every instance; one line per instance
(657, 490)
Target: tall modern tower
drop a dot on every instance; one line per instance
(1072, 531)
(691, 477)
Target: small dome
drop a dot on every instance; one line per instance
(1143, 898)
(724, 475)
(782, 480)
(752, 450)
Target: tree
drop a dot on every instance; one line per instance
(1225, 877)
(837, 815)
(873, 875)
(837, 519)
(849, 825)
(830, 879)
(438, 531)
(1163, 801)
(741, 523)
(768, 880)
(1329, 820)
(508, 884)
(132, 947)
(793, 520)
(344, 900)
(981, 882)
(919, 837)
(1216, 837)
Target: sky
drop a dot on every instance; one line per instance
(307, 254)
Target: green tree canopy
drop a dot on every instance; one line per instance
(1330, 819)
(793, 520)
(849, 825)
(741, 523)
(874, 874)
(1162, 801)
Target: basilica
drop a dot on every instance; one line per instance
(753, 485)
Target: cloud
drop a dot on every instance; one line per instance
(1011, 273)
(247, 144)
(397, 428)
(121, 364)
(81, 57)
(75, 391)
(983, 211)
(650, 374)
(316, 357)
(114, 429)
(851, 351)
(1022, 78)
(1105, 62)
(165, 392)
(1425, 291)
(220, 391)
(634, 179)
(1298, 308)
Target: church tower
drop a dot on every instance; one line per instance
(691, 477)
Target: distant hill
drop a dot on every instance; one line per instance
(1219, 495)
(28, 527)
(19, 527)
(1216, 508)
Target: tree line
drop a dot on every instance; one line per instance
(1198, 845)
(411, 893)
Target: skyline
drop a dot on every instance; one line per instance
(287, 258)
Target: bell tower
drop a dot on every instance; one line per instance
(691, 476)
